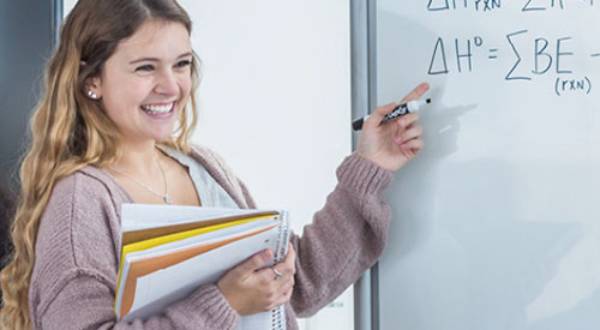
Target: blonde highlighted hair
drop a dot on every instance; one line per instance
(70, 131)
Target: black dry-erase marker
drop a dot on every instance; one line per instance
(400, 110)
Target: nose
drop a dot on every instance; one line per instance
(167, 83)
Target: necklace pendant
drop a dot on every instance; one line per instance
(167, 199)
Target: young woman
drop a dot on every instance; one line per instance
(113, 127)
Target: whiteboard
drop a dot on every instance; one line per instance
(497, 223)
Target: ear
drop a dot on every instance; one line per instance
(93, 88)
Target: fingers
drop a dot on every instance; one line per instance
(253, 286)
(287, 268)
(406, 121)
(289, 263)
(278, 289)
(416, 93)
(282, 294)
(376, 117)
(273, 291)
(406, 134)
(412, 147)
(258, 261)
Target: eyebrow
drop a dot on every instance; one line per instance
(154, 59)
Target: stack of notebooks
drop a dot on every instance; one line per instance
(169, 251)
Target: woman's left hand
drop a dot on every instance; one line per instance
(393, 144)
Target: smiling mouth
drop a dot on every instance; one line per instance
(158, 108)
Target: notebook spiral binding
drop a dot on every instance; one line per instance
(278, 318)
(278, 314)
(284, 236)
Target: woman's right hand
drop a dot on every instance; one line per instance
(251, 288)
(392, 145)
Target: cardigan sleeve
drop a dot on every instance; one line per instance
(85, 302)
(345, 238)
(74, 278)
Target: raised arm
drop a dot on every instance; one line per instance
(349, 233)
(346, 236)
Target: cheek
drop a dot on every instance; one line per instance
(185, 84)
(123, 102)
(117, 112)
(127, 93)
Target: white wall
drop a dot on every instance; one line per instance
(275, 103)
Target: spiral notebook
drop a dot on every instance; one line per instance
(168, 251)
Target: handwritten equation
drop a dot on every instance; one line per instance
(495, 5)
(540, 56)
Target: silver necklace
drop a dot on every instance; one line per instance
(165, 197)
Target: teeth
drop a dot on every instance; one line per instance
(158, 108)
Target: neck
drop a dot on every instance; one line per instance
(139, 158)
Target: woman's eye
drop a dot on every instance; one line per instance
(144, 68)
(184, 63)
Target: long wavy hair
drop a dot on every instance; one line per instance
(69, 131)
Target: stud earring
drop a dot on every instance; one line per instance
(92, 95)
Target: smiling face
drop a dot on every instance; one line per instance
(147, 81)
